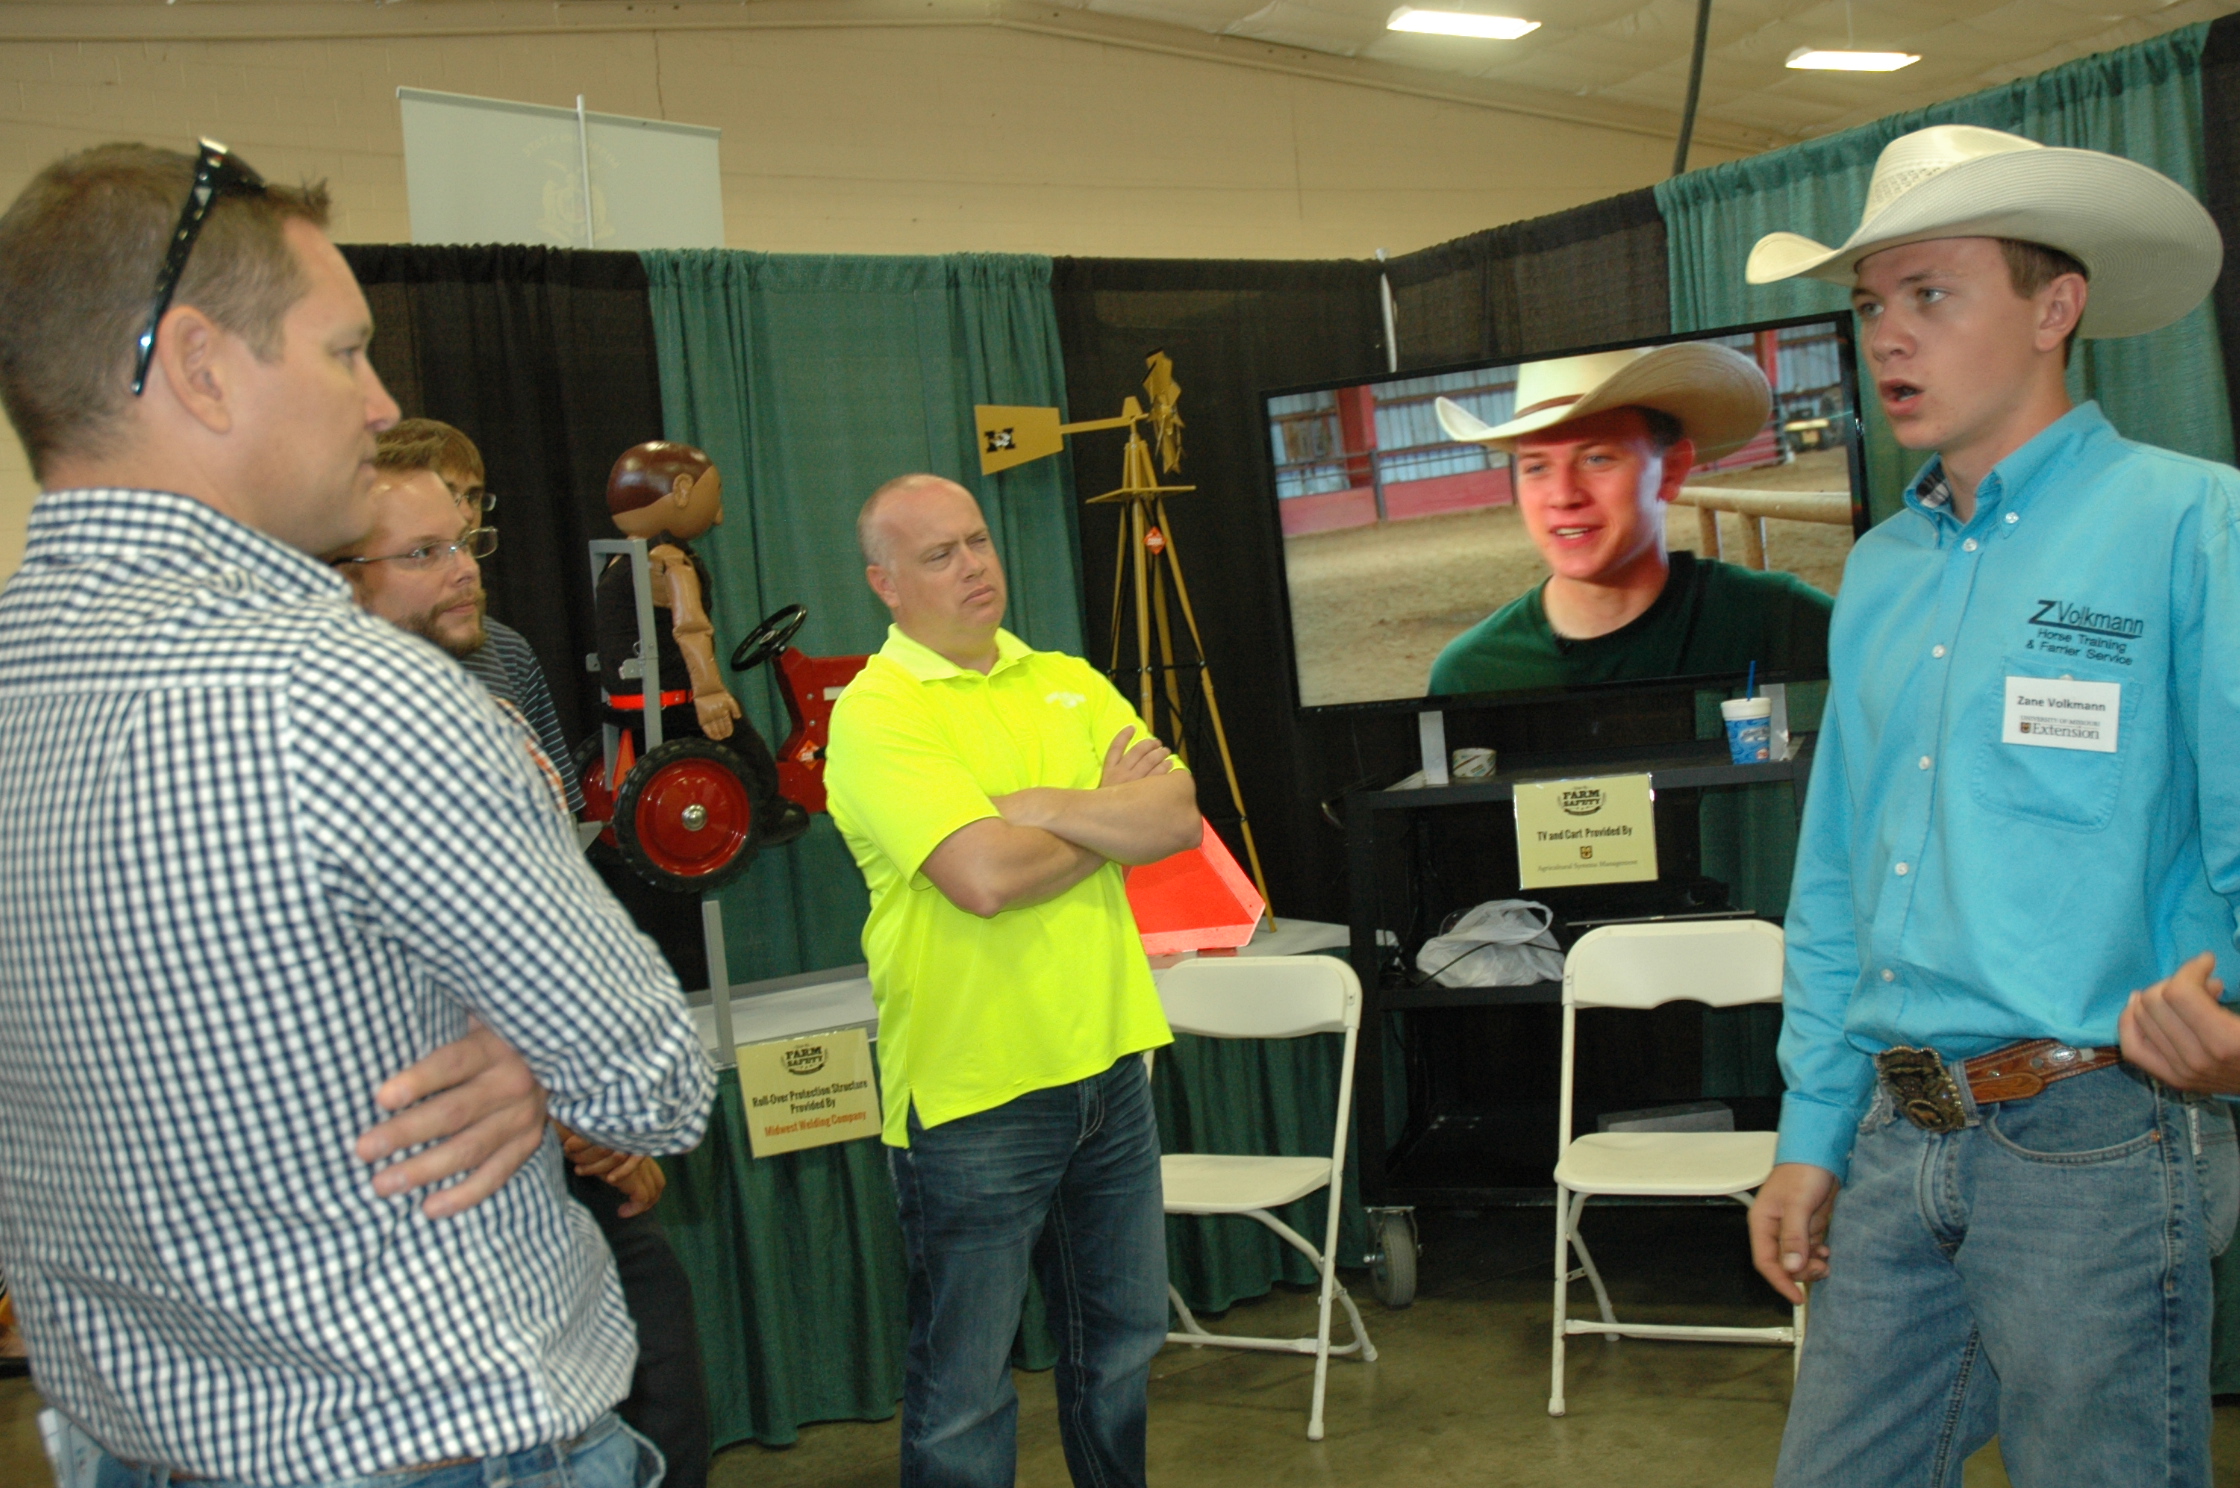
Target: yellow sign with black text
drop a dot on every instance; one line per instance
(808, 1092)
(1586, 832)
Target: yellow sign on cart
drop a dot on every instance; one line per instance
(807, 1092)
(1586, 832)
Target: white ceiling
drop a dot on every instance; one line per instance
(1622, 62)
(1636, 51)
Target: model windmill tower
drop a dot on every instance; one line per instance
(1147, 569)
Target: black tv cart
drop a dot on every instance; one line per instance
(1477, 1126)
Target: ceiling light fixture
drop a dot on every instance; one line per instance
(1459, 23)
(1815, 59)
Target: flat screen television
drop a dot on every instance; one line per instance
(1400, 540)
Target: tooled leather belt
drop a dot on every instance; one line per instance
(1926, 1094)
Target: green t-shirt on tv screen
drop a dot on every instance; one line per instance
(1711, 617)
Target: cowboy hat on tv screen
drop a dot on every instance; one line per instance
(1679, 508)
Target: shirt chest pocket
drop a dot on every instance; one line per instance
(2073, 788)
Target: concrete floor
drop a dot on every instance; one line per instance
(1458, 1396)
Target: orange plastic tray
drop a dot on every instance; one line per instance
(1198, 900)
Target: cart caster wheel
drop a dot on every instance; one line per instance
(1392, 1269)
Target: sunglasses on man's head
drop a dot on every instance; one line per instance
(216, 169)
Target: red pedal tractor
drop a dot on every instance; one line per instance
(690, 814)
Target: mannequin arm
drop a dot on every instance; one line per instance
(689, 623)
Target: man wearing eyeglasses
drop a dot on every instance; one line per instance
(445, 449)
(243, 881)
(419, 570)
(500, 657)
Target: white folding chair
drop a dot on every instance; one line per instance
(1722, 963)
(1262, 997)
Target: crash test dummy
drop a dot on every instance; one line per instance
(668, 494)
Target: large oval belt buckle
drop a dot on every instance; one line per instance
(1922, 1088)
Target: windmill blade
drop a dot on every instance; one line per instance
(1160, 385)
(1166, 421)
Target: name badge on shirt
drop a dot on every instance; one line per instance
(2062, 713)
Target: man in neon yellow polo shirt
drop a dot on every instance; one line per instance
(991, 794)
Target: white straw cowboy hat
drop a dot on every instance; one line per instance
(2149, 249)
(1718, 395)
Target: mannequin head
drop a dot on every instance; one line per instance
(661, 487)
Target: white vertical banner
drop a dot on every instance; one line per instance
(485, 170)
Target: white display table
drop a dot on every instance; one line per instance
(822, 1001)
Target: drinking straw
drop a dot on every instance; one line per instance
(1750, 688)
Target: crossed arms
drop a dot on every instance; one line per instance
(1046, 840)
(480, 1105)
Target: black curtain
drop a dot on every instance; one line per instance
(2220, 138)
(545, 359)
(1234, 330)
(1594, 274)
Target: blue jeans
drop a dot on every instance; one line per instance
(2041, 1274)
(1065, 1181)
(607, 1455)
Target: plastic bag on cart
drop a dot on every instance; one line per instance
(1501, 943)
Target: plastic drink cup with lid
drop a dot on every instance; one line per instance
(1749, 729)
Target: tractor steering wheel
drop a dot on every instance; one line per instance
(768, 639)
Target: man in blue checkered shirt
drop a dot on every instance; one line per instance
(237, 860)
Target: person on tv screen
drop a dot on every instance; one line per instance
(1600, 447)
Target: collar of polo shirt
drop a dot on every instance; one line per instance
(928, 665)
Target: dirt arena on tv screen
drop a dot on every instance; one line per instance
(1398, 539)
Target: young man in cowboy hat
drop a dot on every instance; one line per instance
(2023, 808)
(1599, 450)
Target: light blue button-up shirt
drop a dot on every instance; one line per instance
(1960, 893)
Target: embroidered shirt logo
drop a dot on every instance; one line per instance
(2062, 627)
(1066, 699)
(2060, 614)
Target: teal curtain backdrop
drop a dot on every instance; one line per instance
(810, 380)
(797, 1279)
(2142, 102)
